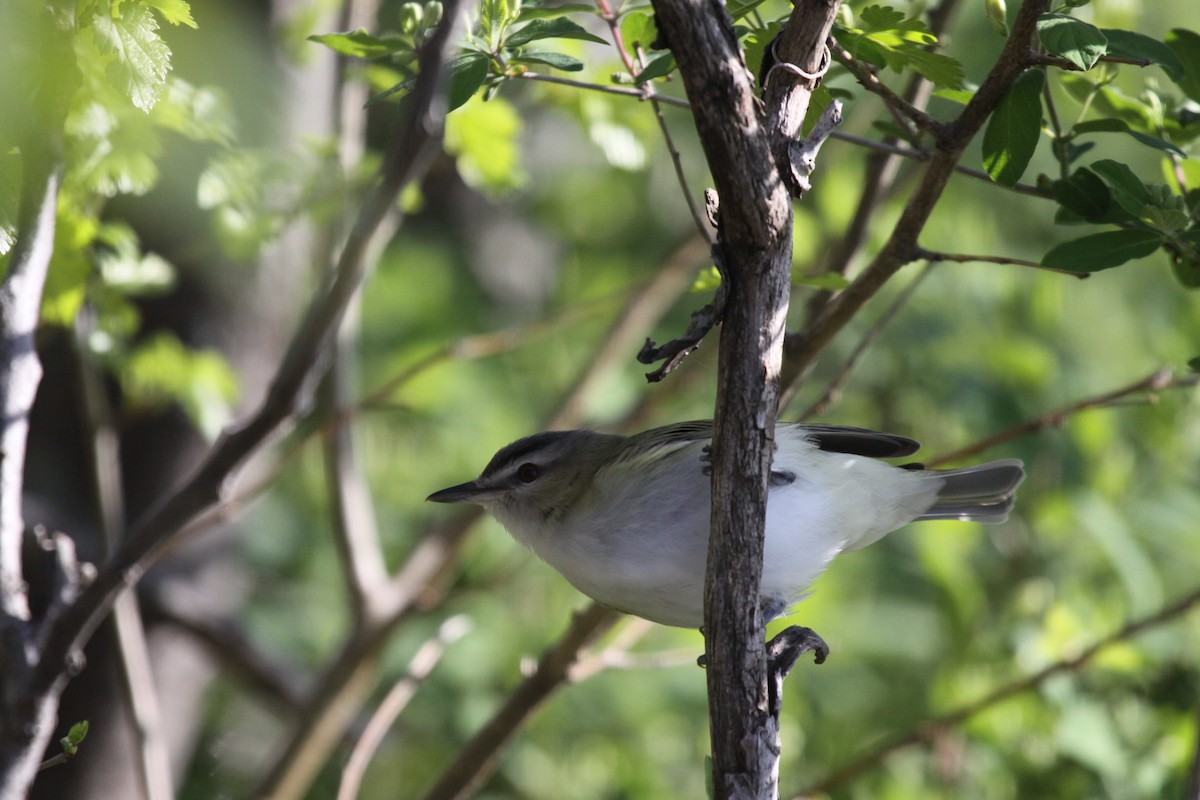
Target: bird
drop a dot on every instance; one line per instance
(625, 519)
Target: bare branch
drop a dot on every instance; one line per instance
(933, 256)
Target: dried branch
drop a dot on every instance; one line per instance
(675, 351)
(930, 729)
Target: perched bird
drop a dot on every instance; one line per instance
(625, 519)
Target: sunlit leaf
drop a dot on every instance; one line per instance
(1073, 39)
(176, 12)
(142, 59)
(360, 44)
(556, 28)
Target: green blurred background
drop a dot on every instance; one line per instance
(556, 206)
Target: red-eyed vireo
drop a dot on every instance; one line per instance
(625, 519)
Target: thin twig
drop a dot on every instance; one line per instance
(1160, 380)
(901, 108)
(626, 91)
(934, 256)
(422, 664)
(932, 728)
(834, 389)
(1037, 59)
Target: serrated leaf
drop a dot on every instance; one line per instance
(1014, 129)
(359, 44)
(557, 60)
(1140, 47)
(1185, 45)
(1127, 188)
(1100, 251)
(142, 59)
(887, 38)
(660, 66)
(556, 28)
(176, 12)
(1073, 39)
(162, 370)
(938, 68)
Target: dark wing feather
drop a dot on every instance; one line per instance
(858, 441)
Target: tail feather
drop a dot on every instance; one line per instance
(984, 493)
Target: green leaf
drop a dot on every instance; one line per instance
(1084, 194)
(638, 30)
(359, 44)
(1140, 47)
(142, 59)
(483, 138)
(556, 28)
(660, 66)
(176, 12)
(465, 75)
(557, 60)
(1013, 131)
(1185, 45)
(740, 8)
(530, 11)
(1075, 40)
(887, 38)
(1127, 188)
(1100, 251)
(1112, 125)
(161, 370)
(1194, 364)
(937, 68)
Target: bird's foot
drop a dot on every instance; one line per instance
(782, 652)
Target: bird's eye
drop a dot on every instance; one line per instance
(528, 473)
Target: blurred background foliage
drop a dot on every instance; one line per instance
(550, 209)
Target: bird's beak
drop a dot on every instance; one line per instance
(469, 492)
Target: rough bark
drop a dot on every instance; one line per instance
(754, 252)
